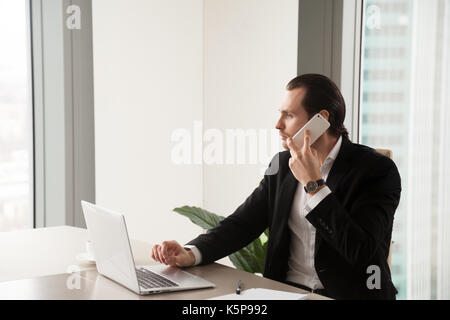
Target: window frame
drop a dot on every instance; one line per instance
(63, 112)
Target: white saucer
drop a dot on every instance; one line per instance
(85, 258)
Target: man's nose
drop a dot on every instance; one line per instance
(279, 125)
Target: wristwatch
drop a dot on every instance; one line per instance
(312, 186)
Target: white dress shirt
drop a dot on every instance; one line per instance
(301, 260)
(196, 252)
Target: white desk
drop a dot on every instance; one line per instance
(48, 251)
(34, 265)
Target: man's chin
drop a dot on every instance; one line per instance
(284, 144)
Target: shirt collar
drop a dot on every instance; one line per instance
(335, 151)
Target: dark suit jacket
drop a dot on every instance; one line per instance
(353, 224)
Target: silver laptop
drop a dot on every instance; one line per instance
(114, 258)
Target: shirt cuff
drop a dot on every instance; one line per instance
(317, 198)
(196, 252)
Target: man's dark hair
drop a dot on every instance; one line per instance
(322, 94)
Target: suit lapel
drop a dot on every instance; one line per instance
(286, 196)
(281, 237)
(283, 206)
(340, 167)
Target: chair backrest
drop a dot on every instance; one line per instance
(387, 153)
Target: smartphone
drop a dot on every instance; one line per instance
(317, 126)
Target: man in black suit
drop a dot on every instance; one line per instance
(329, 207)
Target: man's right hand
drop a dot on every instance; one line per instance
(173, 254)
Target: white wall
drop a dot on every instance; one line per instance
(160, 65)
(148, 59)
(250, 55)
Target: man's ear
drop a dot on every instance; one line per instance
(325, 114)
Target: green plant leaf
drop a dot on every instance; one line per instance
(250, 258)
(244, 260)
(240, 262)
(258, 247)
(256, 250)
(199, 216)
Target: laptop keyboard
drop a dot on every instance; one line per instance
(148, 279)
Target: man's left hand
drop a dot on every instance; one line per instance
(304, 162)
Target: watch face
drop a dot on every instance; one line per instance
(311, 186)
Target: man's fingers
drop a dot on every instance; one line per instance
(306, 140)
(152, 253)
(155, 254)
(166, 253)
(293, 149)
(293, 154)
(160, 255)
(292, 146)
(164, 249)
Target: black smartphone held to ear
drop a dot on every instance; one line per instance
(317, 126)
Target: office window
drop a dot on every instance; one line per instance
(16, 148)
(405, 107)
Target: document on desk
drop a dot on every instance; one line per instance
(262, 294)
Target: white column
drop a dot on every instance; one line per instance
(420, 150)
(443, 232)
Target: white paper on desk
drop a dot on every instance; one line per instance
(262, 294)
